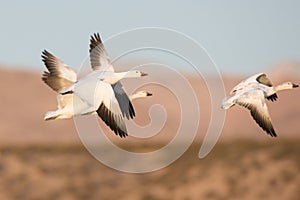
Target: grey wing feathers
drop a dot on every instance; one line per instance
(263, 79)
(98, 56)
(254, 101)
(60, 76)
(55, 82)
(124, 101)
(263, 121)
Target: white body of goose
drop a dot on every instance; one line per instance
(251, 94)
(70, 105)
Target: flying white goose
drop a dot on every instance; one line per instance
(60, 77)
(103, 91)
(251, 94)
(100, 62)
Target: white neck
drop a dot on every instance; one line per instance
(137, 96)
(112, 78)
(283, 86)
(280, 87)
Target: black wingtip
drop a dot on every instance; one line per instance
(108, 119)
(46, 53)
(45, 76)
(269, 130)
(47, 57)
(95, 40)
(68, 92)
(95, 37)
(272, 97)
(272, 133)
(131, 110)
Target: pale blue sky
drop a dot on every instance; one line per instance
(240, 36)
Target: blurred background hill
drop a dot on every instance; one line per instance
(27, 99)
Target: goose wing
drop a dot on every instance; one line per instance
(263, 79)
(272, 97)
(123, 100)
(114, 120)
(102, 99)
(254, 101)
(98, 56)
(245, 83)
(109, 110)
(100, 61)
(59, 76)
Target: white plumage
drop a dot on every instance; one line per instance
(102, 89)
(98, 92)
(251, 94)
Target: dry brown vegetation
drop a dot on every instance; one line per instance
(236, 170)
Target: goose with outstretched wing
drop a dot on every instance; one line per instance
(102, 89)
(100, 61)
(59, 77)
(252, 94)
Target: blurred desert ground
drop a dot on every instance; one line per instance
(46, 160)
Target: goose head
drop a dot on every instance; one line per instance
(135, 74)
(286, 86)
(143, 94)
(140, 94)
(290, 85)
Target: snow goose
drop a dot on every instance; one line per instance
(100, 62)
(251, 94)
(103, 91)
(60, 77)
